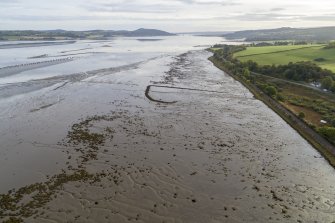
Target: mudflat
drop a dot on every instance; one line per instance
(100, 150)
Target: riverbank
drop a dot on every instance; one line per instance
(317, 141)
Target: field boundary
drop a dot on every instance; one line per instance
(281, 51)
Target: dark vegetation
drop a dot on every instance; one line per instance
(304, 71)
(84, 138)
(320, 59)
(279, 43)
(330, 45)
(300, 71)
(37, 195)
(280, 83)
(286, 33)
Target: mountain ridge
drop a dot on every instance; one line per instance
(285, 33)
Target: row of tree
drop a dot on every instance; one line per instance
(279, 43)
(300, 71)
(304, 71)
(330, 45)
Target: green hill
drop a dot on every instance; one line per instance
(286, 33)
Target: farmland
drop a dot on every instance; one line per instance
(307, 109)
(280, 55)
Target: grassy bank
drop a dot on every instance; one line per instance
(281, 55)
(324, 147)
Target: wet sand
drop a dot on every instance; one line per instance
(101, 151)
(16, 69)
(34, 44)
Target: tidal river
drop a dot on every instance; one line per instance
(133, 130)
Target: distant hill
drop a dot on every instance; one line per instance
(286, 33)
(149, 32)
(137, 33)
(73, 35)
(212, 33)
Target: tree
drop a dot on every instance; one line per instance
(327, 83)
(333, 87)
(253, 66)
(328, 133)
(301, 115)
(280, 97)
(331, 45)
(270, 90)
(246, 73)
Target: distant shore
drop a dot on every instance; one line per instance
(37, 44)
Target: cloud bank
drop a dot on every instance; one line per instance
(170, 15)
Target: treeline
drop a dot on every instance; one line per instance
(330, 45)
(279, 43)
(43, 34)
(305, 71)
(226, 52)
(301, 71)
(94, 34)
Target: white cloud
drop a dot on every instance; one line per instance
(170, 15)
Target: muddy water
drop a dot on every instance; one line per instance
(213, 155)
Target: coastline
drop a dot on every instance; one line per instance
(326, 149)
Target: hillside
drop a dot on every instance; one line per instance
(148, 32)
(91, 34)
(286, 33)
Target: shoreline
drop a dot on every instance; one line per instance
(326, 149)
(37, 44)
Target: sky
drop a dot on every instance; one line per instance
(168, 15)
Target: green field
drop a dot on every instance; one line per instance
(278, 55)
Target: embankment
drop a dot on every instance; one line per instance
(321, 144)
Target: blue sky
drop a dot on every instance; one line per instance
(169, 15)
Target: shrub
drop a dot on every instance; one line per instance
(301, 115)
(271, 91)
(331, 45)
(327, 83)
(320, 59)
(328, 133)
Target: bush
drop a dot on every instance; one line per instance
(331, 45)
(271, 91)
(301, 115)
(280, 97)
(320, 59)
(312, 126)
(327, 83)
(328, 133)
